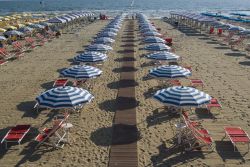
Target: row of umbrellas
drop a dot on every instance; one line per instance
(73, 97)
(178, 96)
(203, 18)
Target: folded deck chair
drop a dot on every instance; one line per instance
(237, 135)
(60, 82)
(54, 136)
(214, 103)
(16, 134)
(196, 83)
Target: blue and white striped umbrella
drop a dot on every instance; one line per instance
(104, 40)
(171, 71)
(152, 39)
(107, 34)
(81, 72)
(157, 47)
(64, 97)
(163, 55)
(152, 33)
(2, 38)
(115, 30)
(236, 28)
(99, 47)
(90, 57)
(181, 96)
(13, 32)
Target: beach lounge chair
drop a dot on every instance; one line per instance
(79, 82)
(55, 135)
(41, 38)
(2, 62)
(196, 83)
(237, 135)
(7, 56)
(18, 47)
(214, 103)
(15, 134)
(175, 82)
(235, 42)
(60, 82)
(30, 42)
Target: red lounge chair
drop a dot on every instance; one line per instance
(18, 47)
(237, 135)
(2, 62)
(196, 83)
(214, 103)
(175, 82)
(41, 38)
(6, 55)
(60, 82)
(54, 132)
(16, 134)
(79, 82)
(30, 42)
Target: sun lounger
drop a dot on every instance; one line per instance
(175, 82)
(60, 82)
(7, 56)
(2, 62)
(41, 38)
(54, 136)
(30, 42)
(237, 135)
(79, 82)
(196, 83)
(16, 134)
(235, 42)
(18, 47)
(214, 103)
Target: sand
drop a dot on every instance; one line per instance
(226, 76)
(22, 80)
(225, 73)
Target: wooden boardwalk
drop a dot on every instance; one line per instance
(123, 151)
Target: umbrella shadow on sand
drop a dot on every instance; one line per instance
(118, 134)
(47, 85)
(28, 108)
(108, 105)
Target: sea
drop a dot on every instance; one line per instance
(152, 8)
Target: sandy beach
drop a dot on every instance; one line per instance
(224, 72)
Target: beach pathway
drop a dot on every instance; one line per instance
(124, 146)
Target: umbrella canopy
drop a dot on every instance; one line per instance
(36, 26)
(2, 30)
(81, 72)
(163, 55)
(25, 29)
(2, 38)
(99, 47)
(10, 27)
(181, 96)
(107, 34)
(90, 57)
(13, 32)
(236, 28)
(104, 40)
(64, 97)
(157, 47)
(153, 40)
(171, 71)
(152, 33)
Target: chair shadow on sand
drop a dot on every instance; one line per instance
(170, 154)
(225, 151)
(161, 115)
(235, 54)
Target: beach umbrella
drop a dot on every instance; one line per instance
(163, 55)
(180, 96)
(104, 40)
(2, 38)
(157, 47)
(111, 30)
(90, 57)
(56, 20)
(172, 71)
(64, 97)
(236, 28)
(81, 72)
(153, 40)
(107, 34)
(10, 27)
(99, 47)
(13, 32)
(152, 33)
(25, 29)
(2, 30)
(38, 26)
(45, 24)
